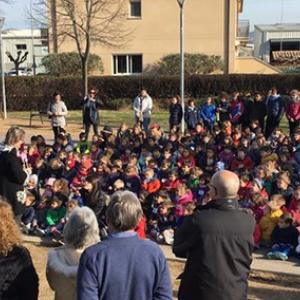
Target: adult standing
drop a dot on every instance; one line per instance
(18, 278)
(57, 111)
(80, 232)
(90, 112)
(218, 242)
(258, 111)
(275, 109)
(176, 114)
(124, 266)
(13, 171)
(248, 107)
(142, 106)
(293, 110)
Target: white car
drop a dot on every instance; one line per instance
(22, 72)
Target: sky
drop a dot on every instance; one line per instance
(257, 11)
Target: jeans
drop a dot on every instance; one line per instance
(145, 123)
(87, 127)
(271, 125)
(283, 248)
(28, 215)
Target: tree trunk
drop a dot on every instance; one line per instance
(84, 63)
(17, 68)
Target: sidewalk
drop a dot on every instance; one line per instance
(260, 264)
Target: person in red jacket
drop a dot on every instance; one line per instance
(151, 184)
(242, 162)
(293, 110)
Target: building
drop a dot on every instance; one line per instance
(211, 27)
(24, 40)
(278, 44)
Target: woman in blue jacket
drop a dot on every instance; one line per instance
(208, 114)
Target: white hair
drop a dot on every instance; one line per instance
(82, 228)
(34, 178)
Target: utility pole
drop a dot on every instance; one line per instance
(2, 69)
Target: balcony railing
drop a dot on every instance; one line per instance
(243, 30)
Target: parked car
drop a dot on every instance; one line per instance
(22, 72)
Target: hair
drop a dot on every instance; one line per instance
(10, 235)
(124, 211)
(82, 228)
(14, 135)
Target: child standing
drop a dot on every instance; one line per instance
(191, 115)
(175, 111)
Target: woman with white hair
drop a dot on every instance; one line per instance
(80, 232)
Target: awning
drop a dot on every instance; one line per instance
(286, 55)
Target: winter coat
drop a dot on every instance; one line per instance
(208, 113)
(60, 109)
(191, 117)
(224, 111)
(175, 111)
(293, 110)
(287, 235)
(268, 223)
(90, 111)
(258, 111)
(187, 198)
(54, 216)
(62, 268)
(18, 278)
(12, 179)
(151, 186)
(245, 164)
(218, 243)
(275, 107)
(143, 106)
(236, 111)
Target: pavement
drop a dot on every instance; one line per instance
(261, 266)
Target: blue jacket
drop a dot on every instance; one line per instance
(191, 117)
(123, 267)
(275, 107)
(90, 111)
(208, 113)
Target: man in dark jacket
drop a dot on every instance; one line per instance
(90, 113)
(175, 111)
(217, 241)
(258, 111)
(275, 109)
(123, 266)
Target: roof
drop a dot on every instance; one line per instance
(279, 27)
(20, 33)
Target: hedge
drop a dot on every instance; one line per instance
(33, 93)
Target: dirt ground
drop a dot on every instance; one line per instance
(258, 289)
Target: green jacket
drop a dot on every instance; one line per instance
(55, 215)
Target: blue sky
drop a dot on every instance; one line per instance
(257, 11)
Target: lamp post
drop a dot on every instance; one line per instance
(2, 69)
(181, 6)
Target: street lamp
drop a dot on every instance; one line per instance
(2, 69)
(181, 6)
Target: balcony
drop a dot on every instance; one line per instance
(243, 30)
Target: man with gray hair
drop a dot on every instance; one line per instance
(124, 266)
(218, 242)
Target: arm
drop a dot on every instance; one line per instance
(87, 283)
(49, 111)
(64, 110)
(136, 105)
(19, 176)
(180, 114)
(186, 236)
(163, 288)
(49, 219)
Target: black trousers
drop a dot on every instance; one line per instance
(293, 125)
(87, 127)
(272, 123)
(56, 131)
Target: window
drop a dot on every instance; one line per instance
(21, 47)
(128, 64)
(135, 9)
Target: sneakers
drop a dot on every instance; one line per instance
(40, 232)
(277, 255)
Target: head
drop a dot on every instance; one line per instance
(81, 230)
(92, 93)
(91, 183)
(191, 102)
(258, 97)
(224, 185)
(297, 194)
(56, 202)
(60, 185)
(56, 97)
(209, 101)
(149, 173)
(285, 221)
(124, 212)
(15, 137)
(10, 235)
(175, 100)
(71, 205)
(143, 93)
(32, 181)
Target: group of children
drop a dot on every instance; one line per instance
(170, 173)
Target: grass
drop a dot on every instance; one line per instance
(115, 118)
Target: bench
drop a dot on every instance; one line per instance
(40, 114)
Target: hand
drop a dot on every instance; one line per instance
(28, 170)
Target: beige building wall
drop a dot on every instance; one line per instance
(253, 65)
(210, 28)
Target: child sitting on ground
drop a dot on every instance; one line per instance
(284, 238)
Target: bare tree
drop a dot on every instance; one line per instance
(87, 22)
(18, 60)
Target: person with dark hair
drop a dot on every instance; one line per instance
(139, 271)
(275, 109)
(175, 110)
(191, 115)
(18, 277)
(57, 111)
(258, 110)
(223, 109)
(90, 106)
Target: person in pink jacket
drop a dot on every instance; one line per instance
(293, 110)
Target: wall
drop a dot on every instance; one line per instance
(253, 65)
(157, 33)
